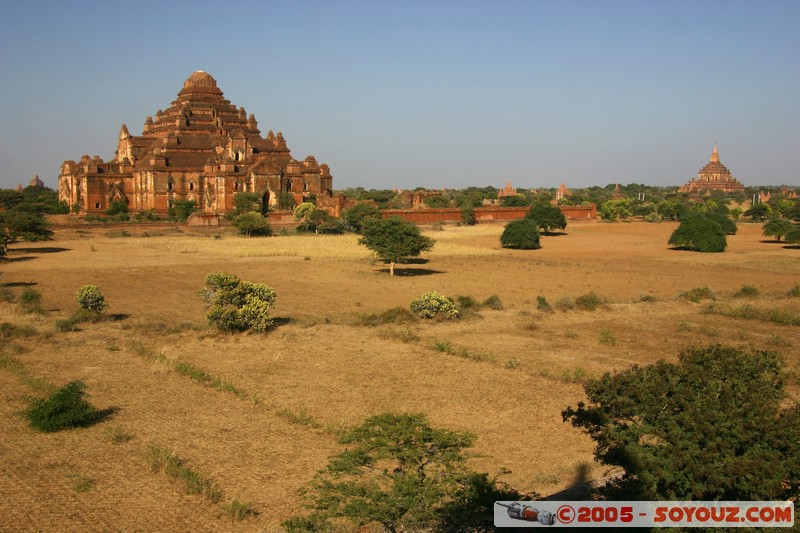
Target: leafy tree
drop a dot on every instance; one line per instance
(699, 233)
(10, 198)
(357, 217)
(468, 215)
(521, 234)
(248, 202)
(616, 210)
(328, 225)
(252, 223)
(710, 427)
(777, 228)
(518, 200)
(237, 305)
(437, 201)
(793, 236)
(286, 200)
(547, 217)
(63, 409)
(727, 225)
(16, 225)
(181, 209)
(304, 211)
(671, 210)
(759, 212)
(395, 240)
(400, 472)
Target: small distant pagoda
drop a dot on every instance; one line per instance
(713, 176)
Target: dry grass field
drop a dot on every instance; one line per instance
(258, 414)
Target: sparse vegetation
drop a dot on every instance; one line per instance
(607, 338)
(31, 300)
(493, 302)
(162, 459)
(747, 291)
(698, 293)
(589, 301)
(542, 304)
(751, 312)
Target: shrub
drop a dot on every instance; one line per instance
(359, 216)
(30, 300)
(90, 298)
(565, 303)
(777, 228)
(65, 408)
(589, 301)
(794, 291)
(542, 304)
(698, 293)
(699, 233)
(236, 305)
(395, 315)
(432, 304)
(747, 291)
(493, 302)
(653, 217)
(521, 235)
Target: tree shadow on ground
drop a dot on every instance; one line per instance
(20, 284)
(117, 317)
(43, 250)
(771, 241)
(103, 414)
(278, 321)
(19, 259)
(792, 246)
(554, 233)
(409, 272)
(579, 489)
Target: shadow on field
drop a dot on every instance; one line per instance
(411, 271)
(20, 284)
(771, 241)
(278, 321)
(579, 489)
(19, 259)
(554, 233)
(117, 317)
(792, 246)
(44, 250)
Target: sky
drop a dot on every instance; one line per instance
(422, 93)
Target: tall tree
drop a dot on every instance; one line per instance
(547, 217)
(394, 240)
(17, 224)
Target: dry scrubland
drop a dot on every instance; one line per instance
(265, 419)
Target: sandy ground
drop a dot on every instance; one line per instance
(321, 369)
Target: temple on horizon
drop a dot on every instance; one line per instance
(713, 176)
(202, 149)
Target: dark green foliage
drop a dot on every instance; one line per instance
(20, 225)
(708, 428)
(542, 304)
(252, 224)
(248, 202)
(237, 305)
(777, 228)
(517, 200)
(118, 209)
(759, 212)
(727, 225)
(547, 217)
(699, 233)
(401, 473)
(65, 408)
(359, 216)
(181, 209)
(793, 236)
(31, 300)
(437, 201)
(286, 200)
(394, 240)
(521, 234)
(468, 215)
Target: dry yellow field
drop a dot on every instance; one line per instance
(321, 369)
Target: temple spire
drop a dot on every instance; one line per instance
(715, 155)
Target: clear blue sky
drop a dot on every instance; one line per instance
(434, 93)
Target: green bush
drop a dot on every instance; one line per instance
(653, 217)
(589, 301)
(727, 225)
(493, 302)
(699, 233)
(697, 294)
(90, 298)
(252, 224)
(30, 300)
(747, 291)
(794, 291)
(542, 304)
(434, 305)
(65, 408)
(521, 234)
(236, 305)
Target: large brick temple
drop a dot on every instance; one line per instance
(713, 176)
(202, 148)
